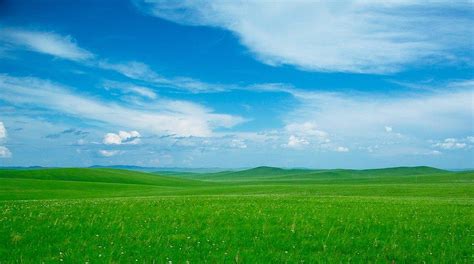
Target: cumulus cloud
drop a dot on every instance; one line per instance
(5, 152)
(388, 129)
(304, 133)
(3, 131)
(109, 153)
(296, 142)
(451, 144)
(306, 129)
(349, 36)
(46, 42)
(123, 137)
(173, 117)
(238, 143)
(341, 149)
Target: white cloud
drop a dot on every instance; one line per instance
(111, 138)
(123, 137)
(304, 133)
(341, 149)
(296, 142)
(5, 152)
(238, 143)
(3, 131)
(178, 118)
(450, 144)
(143, 91)
(349, 36)
(425, 115)
(142, 72)
(434, 153)
(65, 47)
(307, 129)
(109, 153)
(354, 120)
(46, 42)
(133, 70)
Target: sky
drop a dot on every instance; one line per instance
(236, 84)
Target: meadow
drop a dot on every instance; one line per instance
(261, 215)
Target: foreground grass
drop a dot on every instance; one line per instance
(51, 219)
(252, 229)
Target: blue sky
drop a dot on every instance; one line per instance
(355, 84)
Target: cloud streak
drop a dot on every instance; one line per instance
(46, 42)
(164, 117)
(438, 112)
(350, 36)
(65, 47)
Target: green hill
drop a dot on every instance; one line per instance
(98, 175)
(89, 182)
(394, 175)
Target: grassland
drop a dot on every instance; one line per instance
(263, 215)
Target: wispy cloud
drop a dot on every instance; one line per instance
(163, 117)
(65, 47)
(437, 112)
(142, 72)
(46, 42)
(130, 88)
(377, 122)
(350, 36)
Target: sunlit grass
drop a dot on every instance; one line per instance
(262, 222)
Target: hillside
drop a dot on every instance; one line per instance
(88, 182)
(385, 175)
(98, 175)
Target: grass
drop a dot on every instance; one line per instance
(264, 215)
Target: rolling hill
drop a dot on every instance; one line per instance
(117, 176)
(272, 174)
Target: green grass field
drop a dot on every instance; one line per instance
(262, 215)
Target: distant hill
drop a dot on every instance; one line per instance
(396, 174)
(256, 175)
(61, 183)
(21, 168)
(158, 169)
(97, 175)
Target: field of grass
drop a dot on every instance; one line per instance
(262, 215)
